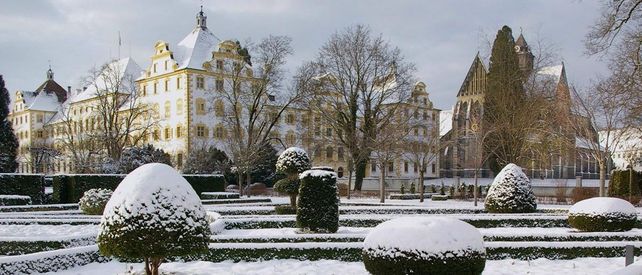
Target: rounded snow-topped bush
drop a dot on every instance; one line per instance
(154, 213)
(293, 160)
(424, 245)
(602, 214)
(510, 192)
(318, 204)
(93, 201)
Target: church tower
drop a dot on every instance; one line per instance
(524, 55)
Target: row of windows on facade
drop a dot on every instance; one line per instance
(200, 84)
(220, 65)
(406, 165)
(19, 120)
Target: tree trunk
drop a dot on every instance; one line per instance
(382, 185)
(602, 180)
(239, 181)
(420, 182)
(152, 265)
(359, 175)
(293, 200)
(248, 182)
(349, 182)
(475, 189)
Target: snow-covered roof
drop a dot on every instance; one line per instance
(125, 67)
(445, 122)
(195, 49)
(41, 101)
(581, 142)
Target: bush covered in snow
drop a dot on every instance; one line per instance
(318, 205)
(14, 200)
(510, 192)
(154, 213)
(426, 245)
(93, 201)
(293, 160)
(602, 214)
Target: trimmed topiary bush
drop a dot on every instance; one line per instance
(602, 214)
(94, 200)
(153, 214)
(510, 192)
(435, 245)
(619, 185)
(318, 206)
(291, 162)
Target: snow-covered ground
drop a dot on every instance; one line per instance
(43, 231)
(584, 266)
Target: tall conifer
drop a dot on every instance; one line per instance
(503, 101)
(8, 141)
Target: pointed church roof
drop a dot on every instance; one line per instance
(471, 73)
(521, 41)
(197, 47)
(556, 73)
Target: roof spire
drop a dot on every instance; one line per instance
(201, 19)
(50, 74)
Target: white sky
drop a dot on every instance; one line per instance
(440, 37)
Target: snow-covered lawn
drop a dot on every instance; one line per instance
(584, 266)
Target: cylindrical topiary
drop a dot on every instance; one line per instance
(318, 204)
(510, 192)
(424, 245)
(154, 213)
(602, 215)
(93, 201)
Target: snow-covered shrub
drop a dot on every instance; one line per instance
(14, 200)
(318, 205)
(154, 213)
(602, 214)
(293, 160)
(510, 192)
(93, 201)
(424, 245)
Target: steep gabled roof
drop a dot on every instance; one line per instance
(51, 86)
(125, 67)
(521, 41)
(195, 49)
(477, 62)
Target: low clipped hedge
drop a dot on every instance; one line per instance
(220, 195)
(10, 248)
(51, 261)
(285, 210)
(32, 185)
(439, 197)
(70, 188)
(446, 263)
(6, 200)
(602, 223)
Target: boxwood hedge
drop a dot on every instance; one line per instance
(32, 185)
(470, 263)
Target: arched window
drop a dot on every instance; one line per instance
(179, 107)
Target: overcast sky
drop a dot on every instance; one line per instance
(440, 37)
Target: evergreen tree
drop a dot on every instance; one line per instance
(8, 140)
(206, 161)
(503, 103)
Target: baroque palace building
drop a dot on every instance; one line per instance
(176, 88)
(461, 125)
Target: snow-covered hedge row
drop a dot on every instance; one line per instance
(20, 247)
(39, 207)
(429, 245)
(318, 203)
(220, 195)
(94, 200)
(233, 201)
(478, 221)
(69, 188)
(50, 261)
(218, 252)
(14, 200)
(603, 214)
(32, 185)
(511, 192)
(406, 196)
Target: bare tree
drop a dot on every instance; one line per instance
(118, 117)
(251, 101)
(600, 109)
(76, 143)
(346, 80)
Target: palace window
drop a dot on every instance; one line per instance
(178, 132)
(340, 153)
(373, 167)
(178, 83)
(328, 152)
(200, 106)
(405, 166)
(219, 108)
(219, 85)
(155, 86)
(166, 62)
(179, 107)
(328, 132)
(200, 82)
(155, 135)
(144, 90)
(219, 132)
(166, 85)
(167, 109)
(154, 67)
(200, 131)
(391, 166)
(290, 119)
(219, 64)
(168, 133)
